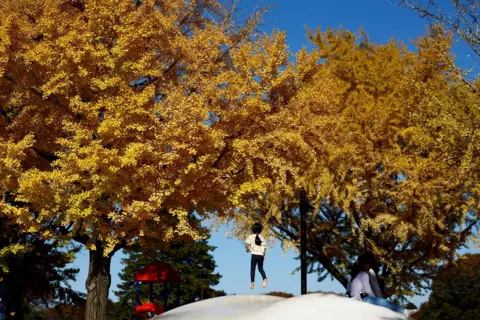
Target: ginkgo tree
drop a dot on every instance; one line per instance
(121, 120)
(384, 141)
(117, 119)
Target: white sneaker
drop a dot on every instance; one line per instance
(411, 313)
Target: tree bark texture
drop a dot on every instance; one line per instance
(98, 285)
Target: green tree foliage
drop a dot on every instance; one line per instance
(192, 260)
(37, 270)
(456, 291)
(63, 311)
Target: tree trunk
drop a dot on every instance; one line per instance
(98, 285)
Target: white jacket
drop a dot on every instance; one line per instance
(253, 248)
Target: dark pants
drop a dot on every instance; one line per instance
(256, 259)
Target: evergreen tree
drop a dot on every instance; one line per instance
(37, 272)
(192, 260)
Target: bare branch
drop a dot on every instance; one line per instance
(458, 16)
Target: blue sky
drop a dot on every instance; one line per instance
(382, 21)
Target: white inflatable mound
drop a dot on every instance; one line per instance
(258, 307)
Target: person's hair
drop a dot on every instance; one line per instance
(257, 228)
(354, 270)
(2, 274)
(366, 258)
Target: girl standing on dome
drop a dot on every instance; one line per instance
(256, 245)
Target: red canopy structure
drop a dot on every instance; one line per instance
(155, 272)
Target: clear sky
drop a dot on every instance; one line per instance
(381, 20)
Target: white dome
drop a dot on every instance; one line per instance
(260, 307)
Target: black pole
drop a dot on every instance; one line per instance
(304, 206)
(150, 288)
(165, 296)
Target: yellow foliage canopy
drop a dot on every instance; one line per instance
(117, 118)
(385, 141)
